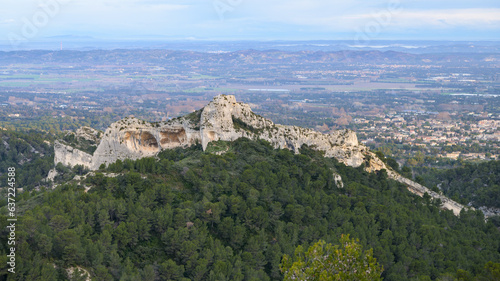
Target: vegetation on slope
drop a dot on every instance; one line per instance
(327, 262)
(30, 152)
(241, 125)
(80, 143)
(478, 184)
(191, 215)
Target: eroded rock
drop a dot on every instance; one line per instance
(226, 119)
(70, 156)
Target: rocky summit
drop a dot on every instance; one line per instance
(226, 119)
(221, 119)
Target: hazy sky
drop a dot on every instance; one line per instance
(252, 19)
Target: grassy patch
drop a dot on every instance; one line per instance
(217, 146)
(240, 125)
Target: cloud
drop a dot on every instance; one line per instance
(262, 19)
(478, 18)
(7, 21)
(347, 16)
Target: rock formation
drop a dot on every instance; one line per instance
(222, 119)
(89, 134)
(131, 138)
(70, 156)
(338, 180)
(225, 119)
(420, 190)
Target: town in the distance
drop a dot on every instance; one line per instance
(250, 160)
(423, 109)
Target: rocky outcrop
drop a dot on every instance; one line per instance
(88, 133)
(131, 138)
(222, 119)
(338, 180)
(225, 119)
(70, 156)
(489, 212)
(78, 273)
(51, 175)
(420, 190)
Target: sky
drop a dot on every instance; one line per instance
(357, 20)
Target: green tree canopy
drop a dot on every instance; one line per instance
(332, 262)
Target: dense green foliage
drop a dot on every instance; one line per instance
(194, 118)
(85, 145)
(31, 153)
(476, 183)
(241, 125)
(191, 215)
(327, 262)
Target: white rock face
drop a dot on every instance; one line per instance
(83, 273)
(420, 190)
(52, 174)
(131, 138)
(489, 212)
(222, 119)
(225, 119)
(338, 180)
(70, 156)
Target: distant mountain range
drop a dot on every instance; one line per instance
(76, 42)
(248, 57)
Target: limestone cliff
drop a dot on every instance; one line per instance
(420, 190)
(225, 119)
(70, 156)
(131, 138)
(222, 119)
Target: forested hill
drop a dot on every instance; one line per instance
(478, 184)
(194, 215)
(31, 153)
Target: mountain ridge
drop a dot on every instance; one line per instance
(236, 58)
(226, 119)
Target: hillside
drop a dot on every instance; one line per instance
(221, 119)
(30, 153)
(225, 119)
(478, 184)
(195, 215)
